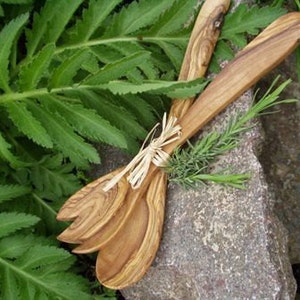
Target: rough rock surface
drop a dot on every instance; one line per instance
(221, 243)
(281, 157)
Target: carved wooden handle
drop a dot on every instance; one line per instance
(200, 48)
(264, 53)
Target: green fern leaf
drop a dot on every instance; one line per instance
(8, 192)
(92, 18)
(53, 179)
(16, 1)
(136, 16)
(41, 256)
(115, 114)
(174, 53)
(7, 36)
(15, 245)
(174, 19)
(174, 89)
(60, 19)
(248, 20)
(63, 75)
(26, 123)
(86, 122)
(38, 272)
(7, 155)
(50, 23)
(40, 25)
(187, 90)
(13, 221)
(117, 69)
(143, 111)
(32, 72)
(147, 67)
(65, 139)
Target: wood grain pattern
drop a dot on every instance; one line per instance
(98, 217)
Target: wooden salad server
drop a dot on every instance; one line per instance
(116, 267)
(92, 207)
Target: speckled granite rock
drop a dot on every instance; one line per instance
(221, 243)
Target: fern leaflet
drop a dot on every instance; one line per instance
(7, 155)
(173, 19)
(53, 179)
(92, 18)
(31, 72)
(8, 192)
(13, 221)
(85, 121)
(65, 139)
(34, 271)
(136, 16)
(117, 69)
(60, 19)
(27, 124)
(7, 37)
(248, 20)
(63, 75)
(40, 25)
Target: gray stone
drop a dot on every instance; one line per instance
(220, 242)
(280, 157)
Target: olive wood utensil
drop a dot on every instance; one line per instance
(97, 207)
(122, 243)
(113, 270)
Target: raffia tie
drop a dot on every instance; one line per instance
(139, 166)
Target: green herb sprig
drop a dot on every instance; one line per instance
(190, 166)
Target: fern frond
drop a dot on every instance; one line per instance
(140, 108)
(248, 20)
(15, 245)
(38, 271)
(50, 23)
(53, 179)
(86, 121)
(92, 18)
(64, 137)
(173, 19)
(64, 73)
(147, 67)
(174, 89)
(117, 69)
(114, 113)
(174, 53)
(7, 37)
(16, 1)
(40, 26)
(13, 221)
(136, 16)
(28, 124)
(60, 19)
(7, 155)
(33, 70)
(41, 256)
(8, 192)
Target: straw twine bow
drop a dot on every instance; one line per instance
(140, 164)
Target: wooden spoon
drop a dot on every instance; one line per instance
(98, 215)
(283, 35)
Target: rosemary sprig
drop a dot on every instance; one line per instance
(190, 167)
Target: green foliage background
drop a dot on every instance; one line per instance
(74, 73)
